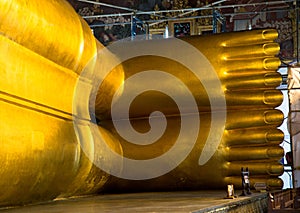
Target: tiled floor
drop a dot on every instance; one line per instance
(198, 201)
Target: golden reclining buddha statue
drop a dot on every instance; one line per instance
(160, 114)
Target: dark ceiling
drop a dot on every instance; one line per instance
(149, 4)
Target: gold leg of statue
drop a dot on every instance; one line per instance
(43, 157)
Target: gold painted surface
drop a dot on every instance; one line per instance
(22, 68)
(246, 65)
(52, 29)
(41, 154)
(40, 56)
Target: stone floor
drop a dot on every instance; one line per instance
(196, 201)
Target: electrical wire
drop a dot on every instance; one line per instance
(187, 10)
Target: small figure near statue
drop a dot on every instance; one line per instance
(245, 182)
